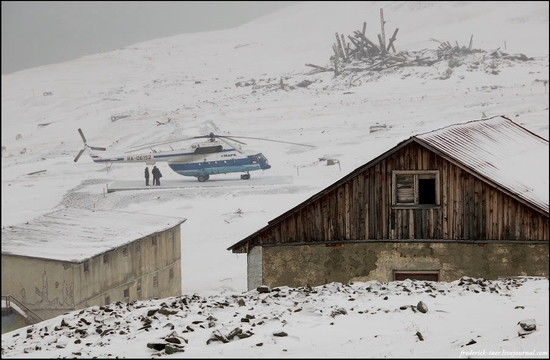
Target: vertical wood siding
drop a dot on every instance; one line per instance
(360, 208)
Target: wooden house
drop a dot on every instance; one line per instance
(75, 258)
(468, 199)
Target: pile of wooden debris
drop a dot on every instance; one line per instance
(362, 54)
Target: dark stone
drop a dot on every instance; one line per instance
(156, 346)
(172, 349)
(422, 307)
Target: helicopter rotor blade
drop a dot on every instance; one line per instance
(228, 143)
(230, 138)
(211, 136)
(82, 135)
(78, 156)
(279, 141)
(148, 145)
(86, 146)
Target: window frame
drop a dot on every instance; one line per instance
(434, 273)
(417, 174)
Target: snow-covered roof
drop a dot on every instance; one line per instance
(501, 151)
(75, 235)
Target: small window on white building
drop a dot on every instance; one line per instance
(126, 294)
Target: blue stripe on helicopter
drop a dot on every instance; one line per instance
(217, 167)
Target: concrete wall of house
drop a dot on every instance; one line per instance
(142, 269)
(302, 265)
(44, 286)
(51, 288)
(254, 267)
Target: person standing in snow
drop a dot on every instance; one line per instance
(146, 176)
(156, 175)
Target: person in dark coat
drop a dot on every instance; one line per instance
(146, 176)
(156, 175)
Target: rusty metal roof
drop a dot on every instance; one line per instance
(500, 150)
(496, 149)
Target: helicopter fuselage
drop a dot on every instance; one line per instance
(200, 161)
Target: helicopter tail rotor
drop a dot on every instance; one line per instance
(86, 146)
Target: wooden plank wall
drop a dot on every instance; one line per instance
(361, 209)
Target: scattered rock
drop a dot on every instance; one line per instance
(280, 334)
(422, 307)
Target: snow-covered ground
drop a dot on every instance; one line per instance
(228, 82)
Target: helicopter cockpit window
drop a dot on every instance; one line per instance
(208, 149)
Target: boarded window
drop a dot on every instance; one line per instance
(405, 188)
(416, 275)
(138, 287)
(138, 246)
(125, 251)
(105, 258)
(155, 281)
(416, 187)
(86, 266)
(154, 240)
(107, 300)
(126, 294)
(171, 274)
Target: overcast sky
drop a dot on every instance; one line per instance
(38, 33)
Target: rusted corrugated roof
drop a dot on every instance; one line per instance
(75, 235)
(500, 150)
(496, 149)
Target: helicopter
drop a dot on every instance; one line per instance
(218, 154)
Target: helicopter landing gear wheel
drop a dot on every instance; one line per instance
(202, 178)
(245, 176)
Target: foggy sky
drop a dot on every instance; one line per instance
(36, 33)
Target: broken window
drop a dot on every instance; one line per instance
(415, 187)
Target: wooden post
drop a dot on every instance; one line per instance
(342, 50)
(364, 27)
(381, 44)
(471, 40)
(392, 39)
(383, 41)
(344, 46)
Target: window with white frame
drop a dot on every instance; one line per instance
(415, 187)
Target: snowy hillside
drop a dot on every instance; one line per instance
(229, 82)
